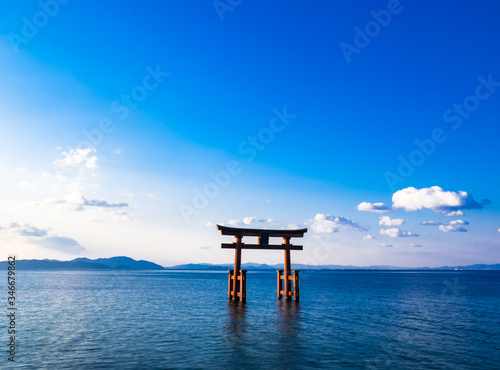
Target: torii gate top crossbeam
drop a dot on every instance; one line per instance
(263, 235)
(239, 231)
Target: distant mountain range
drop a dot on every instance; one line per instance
(127, 263)
(113, 263)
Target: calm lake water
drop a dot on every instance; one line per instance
(167, 319)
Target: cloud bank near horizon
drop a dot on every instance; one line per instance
(40, 236)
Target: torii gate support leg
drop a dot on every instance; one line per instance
(237, 268)
(288, 283)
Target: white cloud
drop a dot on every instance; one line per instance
(251, 220)
(21, 169)
(452, 226)
(435, 198)
(70, 179)
(77, 202)
(151, 195)
(26, 230)
(59, 243)
(386, 245)
(234, 222)
(387, 221)
(120, 216)
(209, 224)
(454, 213)
(292, 227)
(71, 173)
(373, 207)
(71, 202)
(94, 210)
(324, 223)
(396, 233)
(43, 237)
(26, 185)
(118, 151)
(368, 237)
(498, 230)
(99, 215)
(432, 223)
(416, 245)
(77, 157)
(59, 178)
(205, 247)
(102, 203)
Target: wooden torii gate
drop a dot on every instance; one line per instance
(237, 277)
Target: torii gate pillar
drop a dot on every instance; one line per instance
(237, 277)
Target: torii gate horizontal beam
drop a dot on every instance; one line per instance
(263, 247)
(239, 231)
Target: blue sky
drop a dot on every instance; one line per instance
(133, 128)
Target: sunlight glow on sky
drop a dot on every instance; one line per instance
(134, 129)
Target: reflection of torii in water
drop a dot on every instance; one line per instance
(237, 291)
